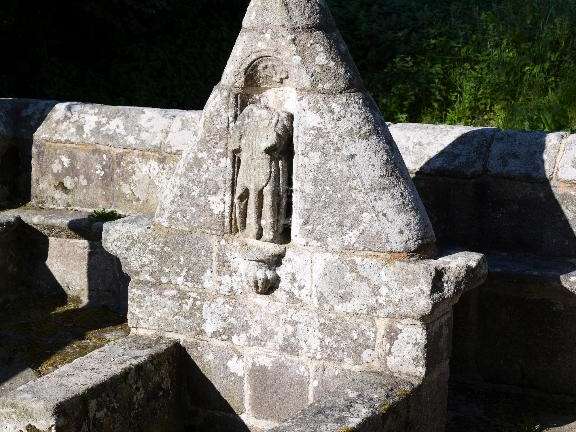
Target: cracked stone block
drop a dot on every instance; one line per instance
(277, 388)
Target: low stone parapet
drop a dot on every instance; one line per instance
(54, 254)
(129, 385)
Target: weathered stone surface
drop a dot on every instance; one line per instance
(524, 155)
(264, 14)
(329, 381)
(312, 61)
(295, 273)
(13, 377)
(256, 322)
(216, 374)
(372, 286)
(277, 388)
(151, 253)
(412, 348)
(343, 150)
(567, 164)
(456, 151)
(110, 126)
(68, 263)
(58, 222)
(342, 145)
(72, 177)
(58, 251)
(196, 195)
(427, 411)
(384, 410)
(183, 132)
(139, 180)
(214, 421)
(128, 385)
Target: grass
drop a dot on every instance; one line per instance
(104, 215)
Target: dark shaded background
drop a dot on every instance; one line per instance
(504, 63)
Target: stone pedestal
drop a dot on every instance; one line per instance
(332, 317)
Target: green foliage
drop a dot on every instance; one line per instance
(503, 63)
(105, 215)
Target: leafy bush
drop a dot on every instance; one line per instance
(504, 63)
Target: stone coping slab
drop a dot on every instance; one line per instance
(57, 222)
(552, 272)
(147, 129)
(100, 391)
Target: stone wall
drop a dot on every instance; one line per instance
(484, 189)
(84, 156)
(332, 317)
(492, 190)
(507, 193)
(511, 195)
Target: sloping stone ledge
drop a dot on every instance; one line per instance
(59, 223)
(361, 413)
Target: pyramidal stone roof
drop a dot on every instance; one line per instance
(351, 188)
(299, 14)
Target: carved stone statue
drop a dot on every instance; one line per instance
(260, 144)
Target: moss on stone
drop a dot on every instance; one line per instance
(104, 215)
(45, 341)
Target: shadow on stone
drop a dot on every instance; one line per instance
(42, 326)
(514, 335)
(23, 117)
(206, 410)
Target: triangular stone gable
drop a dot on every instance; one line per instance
(351, 189)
